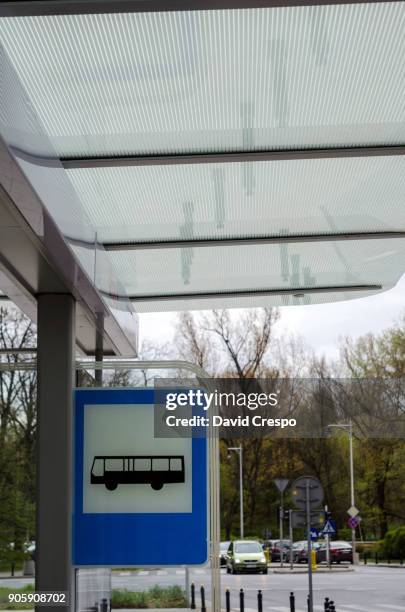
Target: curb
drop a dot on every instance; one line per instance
(319, 570)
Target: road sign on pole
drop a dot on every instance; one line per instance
(353, 511)
(299, 492)
(314, 534)
(281, 484)
(307, 495)
(353, 522)
(139, 500)
(329, 527)
(316, 519)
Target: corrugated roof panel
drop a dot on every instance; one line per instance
(169, 272)
(195, 81)
(153, 203)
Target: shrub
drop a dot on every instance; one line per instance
(156, 597)
(393, 545)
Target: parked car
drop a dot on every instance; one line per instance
(277, 547)
(223, 549)
(246, 556)
(340, 551)
(300, 551)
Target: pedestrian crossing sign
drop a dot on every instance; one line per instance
(329, 527)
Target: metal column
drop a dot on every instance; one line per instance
(56, 361)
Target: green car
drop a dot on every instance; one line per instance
(246, 556)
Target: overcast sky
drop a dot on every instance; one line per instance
(321, 326)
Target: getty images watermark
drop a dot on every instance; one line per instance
(235, 408)
(203, 400)
(278, 407)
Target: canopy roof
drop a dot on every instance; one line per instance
(235, 157)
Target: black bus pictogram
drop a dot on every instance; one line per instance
(156, 470)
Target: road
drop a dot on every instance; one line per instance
(367, 589)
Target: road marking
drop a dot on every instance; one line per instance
(354, 607)
(376, 607)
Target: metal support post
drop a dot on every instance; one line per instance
(309, 547)
(327, 538)
(352, 486)
(187, 585)
(227, 601)
(203, 606)
(241, 600)
(291, 538)
(215, 530)
(192, 604)
(281, 517)
(259, 601)
(242, 529)
(99, 353)
(56, 361)
(292, 602)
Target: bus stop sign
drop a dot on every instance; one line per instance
(138, 500)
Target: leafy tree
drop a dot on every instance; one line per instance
(17, 437)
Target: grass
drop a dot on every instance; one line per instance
(156, 597)
(4, 601)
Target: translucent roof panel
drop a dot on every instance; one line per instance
(151, 203)
(167, 272)
(226, 80)
(254, 301)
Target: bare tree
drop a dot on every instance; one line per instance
(235, 346)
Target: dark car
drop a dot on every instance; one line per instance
(339, 552)
(279, 547)
(246, 556)
(300, 551)
(223, 549)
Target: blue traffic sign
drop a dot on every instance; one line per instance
(329, 527)
(138, 500)
(314, 534)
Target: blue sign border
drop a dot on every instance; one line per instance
(329, 528)
(137, 539)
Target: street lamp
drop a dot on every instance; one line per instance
(349, 428)
(239, 450)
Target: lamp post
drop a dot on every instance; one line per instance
(281, 484)
(349, 428)
(239, 450)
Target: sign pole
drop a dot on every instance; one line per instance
(352, 485)
(291, 539)
(308, 512)
(214, 515)
(281, 484)
(307, 495)
(187, 585)
(242, 532)
(281, 528)
(327, 536)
